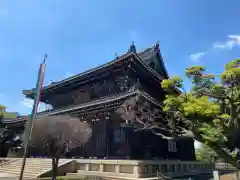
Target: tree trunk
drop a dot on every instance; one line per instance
(220, 152)
(229, 159)
(54, 168)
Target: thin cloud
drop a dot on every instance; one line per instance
(196, 57)
(232, 42)
(28, 103)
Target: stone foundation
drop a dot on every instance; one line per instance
(139, 169)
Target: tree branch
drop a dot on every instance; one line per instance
(219, 150)
(209, 94)
(187, 134)
(183, 133)
(230, 123)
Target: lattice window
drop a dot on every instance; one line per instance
(119, 135)
(172, 146)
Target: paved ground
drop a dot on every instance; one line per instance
(223, 176)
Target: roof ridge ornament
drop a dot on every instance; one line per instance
(156, 46)
(116, 55)
(132, 48)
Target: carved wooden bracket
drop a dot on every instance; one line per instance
(142, 112)
(81, 95)
(128, 109)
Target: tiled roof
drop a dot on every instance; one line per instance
(139, 56)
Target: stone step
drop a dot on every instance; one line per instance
(18, 170)
(25, 170)
(33, 167)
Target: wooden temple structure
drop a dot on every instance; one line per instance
(118, 99)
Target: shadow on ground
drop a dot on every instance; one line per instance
(206, 176)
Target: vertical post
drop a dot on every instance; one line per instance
(93, 143)
(107, 118)
(128, 141)
(237, 169)
(31, 121)
(216, 175)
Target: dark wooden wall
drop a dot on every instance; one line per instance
(146, 145)
(111, 140)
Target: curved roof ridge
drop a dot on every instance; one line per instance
(85, 72)
(140, 55)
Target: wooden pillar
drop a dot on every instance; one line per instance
(91, 147)
(108, 132)
(128, 141)
(101, 136)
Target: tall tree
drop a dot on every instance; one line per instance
(209, 112)
(4, 113)
(6, 137)
(57, 135)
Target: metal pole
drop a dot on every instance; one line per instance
(26, 151)
(31, 122)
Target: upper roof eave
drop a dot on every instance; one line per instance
(85, 73)
(137, 57)
(163, 64)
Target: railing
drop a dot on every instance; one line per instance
(224, 166)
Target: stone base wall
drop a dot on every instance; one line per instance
(140, 169)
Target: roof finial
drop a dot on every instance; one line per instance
(132, 48)
(45, 57)
(156, 46)
(116, 55)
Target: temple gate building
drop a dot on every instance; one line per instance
(117, 99)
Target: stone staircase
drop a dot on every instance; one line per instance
(34, 167)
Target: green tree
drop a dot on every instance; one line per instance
(204, 153)
(5, 135)
(210, 111)
(2, 110)
(5, 114)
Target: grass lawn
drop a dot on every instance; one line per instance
(9, 115)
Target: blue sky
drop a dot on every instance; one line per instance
(81, 34)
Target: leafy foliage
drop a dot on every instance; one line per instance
(9, 115)
(7, 140)
(5, 114)
(210, 110)
(205, 153)
(2, 107)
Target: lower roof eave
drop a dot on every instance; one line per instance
(106, 102)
